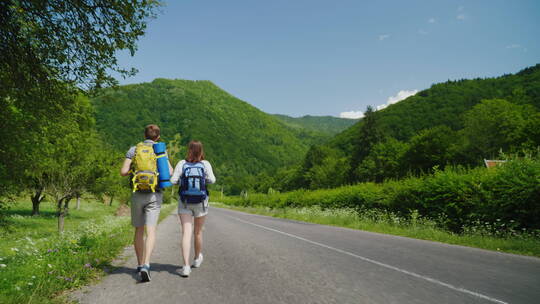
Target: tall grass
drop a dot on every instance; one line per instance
(37, 264)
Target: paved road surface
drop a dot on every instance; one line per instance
(257, 259)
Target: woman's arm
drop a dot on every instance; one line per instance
(210, 178)
(177, 172)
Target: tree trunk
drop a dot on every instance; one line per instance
(36, 200)
(78, 202)
(111, 201)
(62, 208)
(60, 214)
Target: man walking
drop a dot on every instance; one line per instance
(146, 198)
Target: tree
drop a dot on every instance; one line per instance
(429, 148)
(494, 125)
(370, 133)
(385, 160)
(49, 50)
(71, 41)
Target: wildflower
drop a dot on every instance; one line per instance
(17, 287)
(50, 266)
(3, 265)
(50, 272)
(87, 265)
(49, 250)
(33, 277)
(30, 283)
(14, 249)
(1, 259)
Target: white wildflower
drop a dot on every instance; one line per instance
(30, 283)
(50, 266)
(33, 277)
(3, 265)
(14, 249)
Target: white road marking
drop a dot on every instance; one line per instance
(413, 274)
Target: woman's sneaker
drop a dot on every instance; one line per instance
(198, 261)
(185, 271)
(145, 274)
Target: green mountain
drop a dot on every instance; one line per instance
(326, 124)
(452, 123)
(445, 103)
(239, 139)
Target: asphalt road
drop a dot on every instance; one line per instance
(257, 259)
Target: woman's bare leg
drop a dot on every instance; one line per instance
(199, 223)
(186, 221)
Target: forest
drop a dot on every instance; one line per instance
(456, 123)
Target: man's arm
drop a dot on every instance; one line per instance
(124, 171)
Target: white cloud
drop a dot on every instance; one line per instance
(382, 37)
(352, 114)
(431, 20)
(460, 17)
(513, 46)
(399, 97)
(403, 94)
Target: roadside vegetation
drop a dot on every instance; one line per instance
(37, 264)
(496, 208)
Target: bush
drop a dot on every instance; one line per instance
(508, 195)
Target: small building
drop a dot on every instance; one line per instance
(492, 163)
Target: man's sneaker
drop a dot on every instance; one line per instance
(138, 269)
(145, 274)
(198, 261)
(185, 271)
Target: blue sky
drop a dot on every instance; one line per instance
(332, 57)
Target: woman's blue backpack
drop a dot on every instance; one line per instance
(193, 183)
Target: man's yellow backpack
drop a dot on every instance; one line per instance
(145, 177)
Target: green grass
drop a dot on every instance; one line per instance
(389, 223)
(37, 264)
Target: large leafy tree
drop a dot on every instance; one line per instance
(50, 51)
(496, 124)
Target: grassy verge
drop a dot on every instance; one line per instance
(389, 223)
(37, 264)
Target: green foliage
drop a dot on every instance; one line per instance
(71, 41)
(40, 264)
(495, 125)
(454, 197)
(429, 148)
(239, 139)
(457, 122)
(385, 160)
(50, 49)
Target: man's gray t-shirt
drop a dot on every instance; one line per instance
(131, 152)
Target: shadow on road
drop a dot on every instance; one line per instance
(155, 267)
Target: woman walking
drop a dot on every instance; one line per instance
(193, 174)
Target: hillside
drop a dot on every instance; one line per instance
(326, 124)
(445, 103)
(453, 123)
(239, 139)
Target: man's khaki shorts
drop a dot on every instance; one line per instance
(145, 208)
(197, 210)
